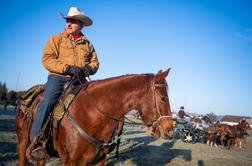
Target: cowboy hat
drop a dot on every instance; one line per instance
(77, 14)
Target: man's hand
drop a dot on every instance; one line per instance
(87, 70)
(74, 70)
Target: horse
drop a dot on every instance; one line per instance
(212, 134)
(90, 121)
(231, 133)
(242, 139)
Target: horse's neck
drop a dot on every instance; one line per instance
(124, 92)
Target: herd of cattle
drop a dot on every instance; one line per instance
(213, 134)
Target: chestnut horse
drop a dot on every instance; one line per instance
(90, 121)
(231, 133)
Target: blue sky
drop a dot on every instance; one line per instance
(207, 43)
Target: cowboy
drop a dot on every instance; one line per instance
(65, 55)
(182, 115)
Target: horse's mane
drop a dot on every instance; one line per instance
(119, 78)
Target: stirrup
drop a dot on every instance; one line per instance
(39, 153)
(31, 148)
(37, 150)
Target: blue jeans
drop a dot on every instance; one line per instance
(53, 89)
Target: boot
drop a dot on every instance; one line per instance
(37, 150)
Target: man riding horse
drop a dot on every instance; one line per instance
(65, 55)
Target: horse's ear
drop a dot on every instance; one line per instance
(160, 71)
(167, 72)
(161, 75)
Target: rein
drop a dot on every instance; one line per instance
(130, 121)
(110, 116)
(100, 111)
(100, 144)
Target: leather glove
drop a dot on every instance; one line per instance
(74, 70)
(87, 70)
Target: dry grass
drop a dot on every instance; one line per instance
(139, 149)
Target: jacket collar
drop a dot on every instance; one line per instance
(82, 38)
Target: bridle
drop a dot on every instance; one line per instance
(155, 107)
(155, 103)
(157, 114)
(156, 110)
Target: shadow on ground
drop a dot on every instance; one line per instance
(142, 153)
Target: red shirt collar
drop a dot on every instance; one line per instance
(76, 36)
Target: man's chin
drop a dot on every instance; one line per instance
(69, 31)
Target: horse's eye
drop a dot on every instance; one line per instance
(163, 98)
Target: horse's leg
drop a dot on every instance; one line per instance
(215, 141)
(237, 142)
(23, 141)
(101, 163)
(120, 131)
(210, 140)
(21, 151)
(211, 143)
(70, 162)
(240, 144)
(231, 142)
(63, 157)
(243, 142)
(63, 161)
(40, 162)
(222, 140)
(117, 148)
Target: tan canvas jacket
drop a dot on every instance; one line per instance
(61, 51)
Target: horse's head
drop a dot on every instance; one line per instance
(244, 125)
(157, 112)
(248, 127)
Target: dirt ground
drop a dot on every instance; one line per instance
(139, 149)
